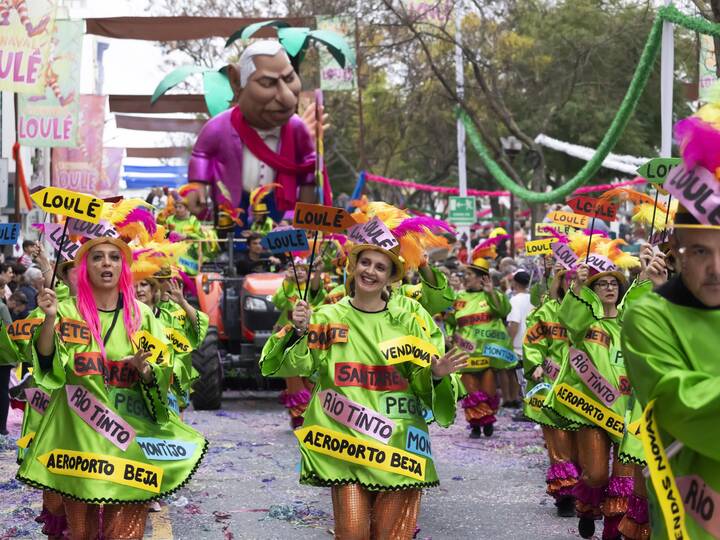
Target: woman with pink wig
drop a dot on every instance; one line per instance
(107, 442)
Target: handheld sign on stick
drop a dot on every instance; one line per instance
(287, 240)
(9, 233)
(70, 204)
(317, 217)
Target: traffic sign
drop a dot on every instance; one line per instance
(462, 211)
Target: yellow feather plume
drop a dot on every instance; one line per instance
(413, 244)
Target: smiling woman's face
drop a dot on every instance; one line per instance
(104, 263)
(372, 272)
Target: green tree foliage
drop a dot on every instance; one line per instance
(532, 66)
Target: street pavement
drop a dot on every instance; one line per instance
(247, 488)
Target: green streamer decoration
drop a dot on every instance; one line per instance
(617, 127)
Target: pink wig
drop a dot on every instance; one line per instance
(88, 308)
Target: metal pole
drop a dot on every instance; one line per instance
(361, 121)
(667, 62)
(512, 224)
(460, 89)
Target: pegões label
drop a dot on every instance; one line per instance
(381, 378)
(593, 379)
(588, 408)
(400, 405)
(130, 402)
(37, 399)
(72, 331)
(323, 336)
(119, 374)
(95, 414)
(356, 416)
(23, 329)
(662, 477)
(408, 349)
(103, 467)
(165, 450)
(366, 453)
(475, 318)
(702, 502)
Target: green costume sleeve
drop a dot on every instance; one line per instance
(578, 313)
(196, 332)
(317, 298)
(53, 378)
(279, 360)
(440, 396)
(155, 392)
(637, 290)
(450, 324)
(687, 399)
(8, 350)
(436, 298)
(499, 304)
(281, 298)
(536, 344)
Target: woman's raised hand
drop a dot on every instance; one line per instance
(452, 361)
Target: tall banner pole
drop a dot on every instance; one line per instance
(460, 88)
(667, 64)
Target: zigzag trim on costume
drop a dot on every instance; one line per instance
(628, 459)
(576, 297)
(575, 425)
(158, 497)
(313, 479)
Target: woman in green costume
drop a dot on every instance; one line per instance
(37, 398)
(545, 348)
(377, 369)
(671, 349)
(107, 437)
(592, 389)
(477, 326)
(183, 335)
(185, 226)
(296, 395)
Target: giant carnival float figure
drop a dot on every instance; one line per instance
(260, 139)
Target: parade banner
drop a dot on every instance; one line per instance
(110, 172)
(80, 169)
(25, 42)
(51, 118)
(333, 77)
(437, 12)
(707, 70)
